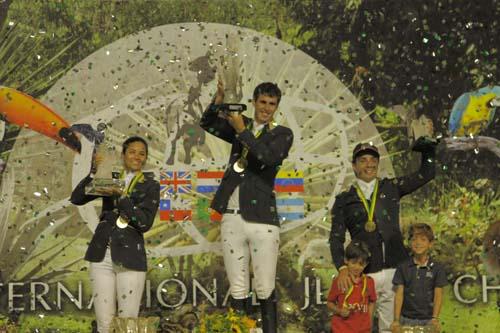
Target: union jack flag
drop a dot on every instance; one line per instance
(175, 181)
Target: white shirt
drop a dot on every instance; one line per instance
(366, 188)
(234, 200)
(128, 178)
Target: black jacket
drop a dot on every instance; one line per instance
(256, 183)
(127, 245)
(386, 243)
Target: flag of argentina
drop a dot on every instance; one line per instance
(290, 209)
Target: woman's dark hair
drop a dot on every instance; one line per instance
(268, 89)
(357, 250)
(132, 139)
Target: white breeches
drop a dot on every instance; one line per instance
(385, 298)
(112, 284)
(242, 240)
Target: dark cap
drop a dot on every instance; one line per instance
(364, 148)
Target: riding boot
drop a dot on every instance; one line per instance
(268, 308)
(238, 305)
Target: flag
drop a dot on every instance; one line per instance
(289, 181)
(169, 210)
(289, 186)
(204, 213)
(290, 209)
(176, 181)
(208, 181)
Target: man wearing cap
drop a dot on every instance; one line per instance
(250, 228)
(369, 211)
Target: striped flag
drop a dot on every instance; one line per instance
(289, 181)
(289, 186)
(208, 181)
(169, 210)
(290, 209)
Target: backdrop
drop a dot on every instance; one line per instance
(350, 71)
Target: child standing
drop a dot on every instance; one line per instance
(419, 284)
(353, 308)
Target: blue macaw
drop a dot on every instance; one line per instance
(472, 112)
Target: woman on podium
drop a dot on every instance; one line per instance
(116, 252)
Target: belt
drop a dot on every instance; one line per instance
(233, 211)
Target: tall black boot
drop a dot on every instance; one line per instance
(268, 308)
(238, 305)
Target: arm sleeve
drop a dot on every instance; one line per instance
(142, 216)
(398, 278)
(215, 125)
(441, 279)
(337, 234)
(272, 153)
(78, 196)
(372, 295)
(427, 171)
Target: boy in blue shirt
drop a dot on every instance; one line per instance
(419, 283)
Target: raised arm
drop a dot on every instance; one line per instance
(410, 183)
(78, 196)
(212, 122)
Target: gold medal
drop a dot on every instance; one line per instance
(240, 165)
(120, 223)
(370, 226)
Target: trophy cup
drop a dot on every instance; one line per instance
(106, 179)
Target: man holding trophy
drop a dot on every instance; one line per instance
(250, 226)
(116, 252)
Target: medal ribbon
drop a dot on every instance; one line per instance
(244, 151)
(351, 288)
(130, 188)
(369, 210)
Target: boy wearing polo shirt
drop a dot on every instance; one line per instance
(419, 284)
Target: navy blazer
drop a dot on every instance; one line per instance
(386, 242)
(127, 244)
(256, 183)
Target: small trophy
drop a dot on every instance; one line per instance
(106, 180)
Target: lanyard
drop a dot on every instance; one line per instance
(130, 188)
(244, 151)
(369, 210)
(351, 288)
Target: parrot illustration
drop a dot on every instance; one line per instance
(473, 111)
(27, 112)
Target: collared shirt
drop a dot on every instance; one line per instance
(419, 282)
(128, 178)
(257, 127)
(366, 187)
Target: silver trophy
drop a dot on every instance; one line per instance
(106, 180)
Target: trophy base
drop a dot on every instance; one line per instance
(104, 186)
